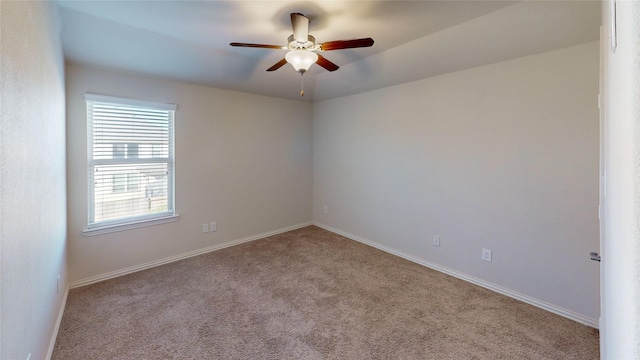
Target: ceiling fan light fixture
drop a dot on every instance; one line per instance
(301, 60)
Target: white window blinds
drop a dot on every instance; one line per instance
(130, 160)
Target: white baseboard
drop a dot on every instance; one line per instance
(54, 336)
(496, 288)
(151, 264)
(487, 285)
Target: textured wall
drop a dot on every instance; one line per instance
(32, 177)
(621, 134)
(503, 157)
(242, 160)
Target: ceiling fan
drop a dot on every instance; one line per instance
(302, 48)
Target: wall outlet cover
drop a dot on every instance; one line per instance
(486, 255)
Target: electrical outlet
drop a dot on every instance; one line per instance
(486, 255)
(326, 210)
(436, 241)
(213, 226)
(205, 228)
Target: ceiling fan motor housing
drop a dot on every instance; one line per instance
(308, 45)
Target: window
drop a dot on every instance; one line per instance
(133, 182)
(119, 182)
(125, 182)
(119, 151)
(130, 162)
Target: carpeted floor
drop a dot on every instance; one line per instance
(308, 294)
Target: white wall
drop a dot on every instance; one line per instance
(242, 160)
(32, 178)
(620, 330)
(503, 157)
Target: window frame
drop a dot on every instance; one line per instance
(135, 221)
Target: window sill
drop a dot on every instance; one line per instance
(130, 225)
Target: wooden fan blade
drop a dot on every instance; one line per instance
(277, 65)
(256, 45)
(346, 44)
(322, 61)
(300, 25)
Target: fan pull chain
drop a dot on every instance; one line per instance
(302, 84)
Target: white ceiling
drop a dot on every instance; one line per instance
(189, 40)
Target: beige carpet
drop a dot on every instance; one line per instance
(308, 294)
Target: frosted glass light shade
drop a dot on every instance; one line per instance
(301, 60)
